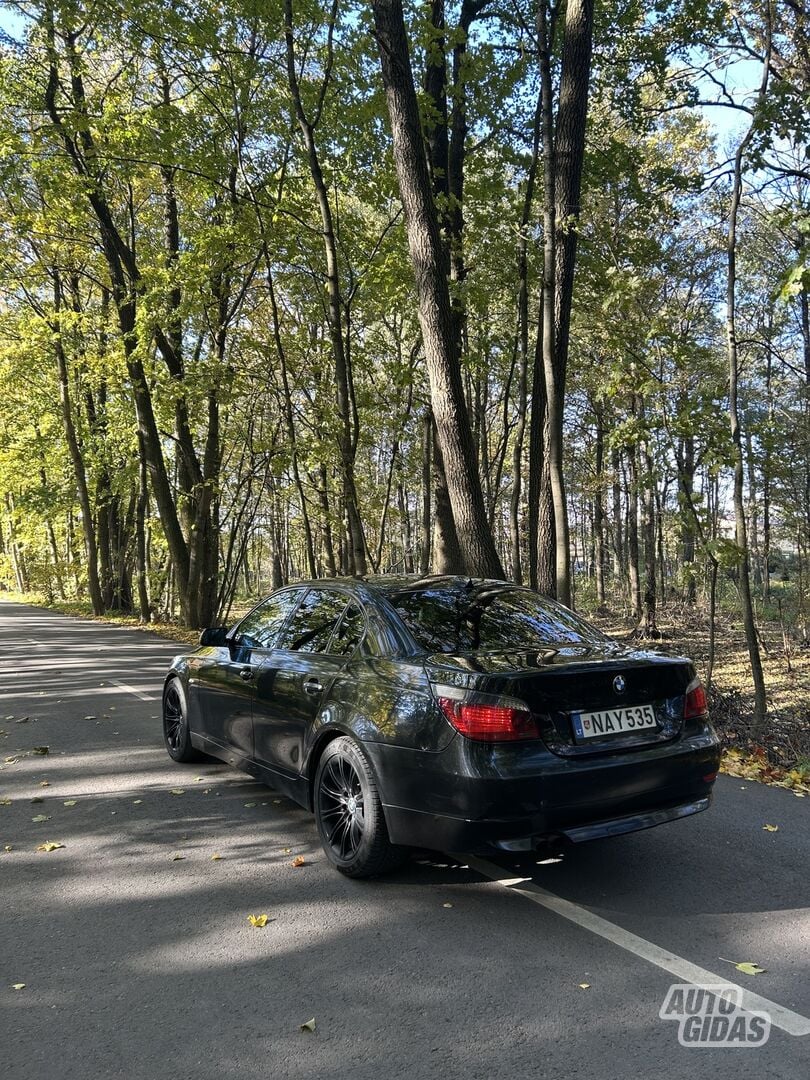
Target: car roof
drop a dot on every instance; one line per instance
(397, 583)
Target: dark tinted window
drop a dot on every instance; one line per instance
(260, 628)
(449, 620)
(311, 627)
(349, 632)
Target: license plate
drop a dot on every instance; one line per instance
(595, 725)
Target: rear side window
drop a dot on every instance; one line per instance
(454, 620)
(350, 630)
(261, 627)
(312, 625)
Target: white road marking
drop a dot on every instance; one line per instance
(131, 690)
(90, 691)
(791, 1022)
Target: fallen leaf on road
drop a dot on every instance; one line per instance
(277, 802)
(216, 857)
(5, 802)
(137, 802)
(8, 847)
(41, 817)
(447, 905)
(18, 986)
(250, 804)
(9, 760)
(22, 720)
(309, 1025)
(37, 799)
(178, 791)
(89, 718)
(258, 920)
(44, 783)
(49, 846)
(746, 967)
(584, 986)
(287, 851)
(178, 858)
(69, 802)
(41, 750)
(198, 778)
(299, 860)
(771, 828)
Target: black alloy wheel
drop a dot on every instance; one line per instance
(176, 733)
(349, 813)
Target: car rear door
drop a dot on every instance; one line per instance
(223, 684)
(295, 677)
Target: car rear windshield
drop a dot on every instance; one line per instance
(451, 620)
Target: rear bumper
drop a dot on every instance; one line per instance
(472, 797)
(417, 829)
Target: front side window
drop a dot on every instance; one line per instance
(312, 625)
(260, 629)
(456, 620)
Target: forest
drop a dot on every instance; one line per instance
(508, 288)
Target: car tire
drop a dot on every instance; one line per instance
(349, 813)
(176, 733)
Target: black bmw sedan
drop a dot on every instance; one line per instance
(443, 712)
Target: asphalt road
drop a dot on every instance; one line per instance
(138, 964)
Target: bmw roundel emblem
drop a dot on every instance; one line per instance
(619, 684)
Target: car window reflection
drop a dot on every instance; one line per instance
(260, 629)
(451, 620)
(312, 625)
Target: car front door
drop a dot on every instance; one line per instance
(224, 680)
(294, 677)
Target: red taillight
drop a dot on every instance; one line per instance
(710, 778)
(695, 702)
(489, 723)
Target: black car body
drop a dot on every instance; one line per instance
(464, 700)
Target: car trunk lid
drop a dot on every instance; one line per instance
(557, 683)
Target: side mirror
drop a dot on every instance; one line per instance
(214, 636)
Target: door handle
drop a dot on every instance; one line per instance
(246, 673)
(312, 686)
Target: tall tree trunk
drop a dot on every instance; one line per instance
(740, 532)
(141, 545)
(599, 506)
(447, 557)
(76, 455)
(618, 531)
(425, 527)
(633, 569)
(523, 370)
(17, 556)
(475, 537)
(563, 156)
(537, 423)
(346, 443)
(650, 561)
(686, 472)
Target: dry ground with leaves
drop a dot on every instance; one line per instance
(786, 666)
